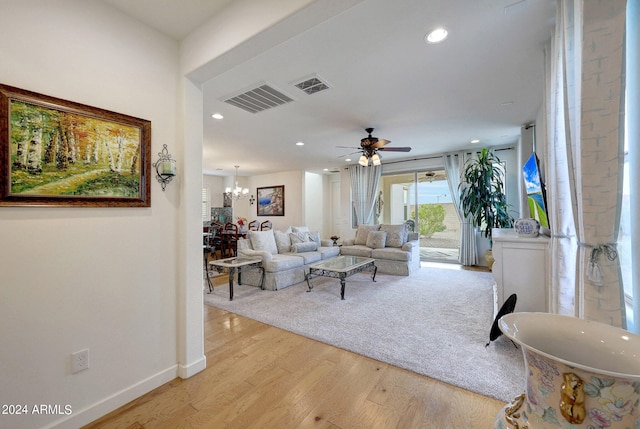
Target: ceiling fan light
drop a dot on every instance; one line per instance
(363, 161)
(376, 159)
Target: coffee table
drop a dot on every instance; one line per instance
(341, 267)
(237, 265)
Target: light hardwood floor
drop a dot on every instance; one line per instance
(262, 377)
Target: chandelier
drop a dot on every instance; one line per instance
(237, 192)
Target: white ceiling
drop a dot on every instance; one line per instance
(484, 82)
(175, 18)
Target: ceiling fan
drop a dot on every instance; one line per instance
(369, 146)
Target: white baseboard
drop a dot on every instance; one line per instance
(186, 371)
(93, 412)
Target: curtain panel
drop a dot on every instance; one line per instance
(585, 131)
(454, 167)
(364, 190)
(562, 245)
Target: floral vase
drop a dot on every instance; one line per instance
(579, 374)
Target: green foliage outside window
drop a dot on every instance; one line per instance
(430, 218)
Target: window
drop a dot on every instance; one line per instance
(624, 235)
(433, 216)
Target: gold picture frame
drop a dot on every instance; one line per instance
(56, 152)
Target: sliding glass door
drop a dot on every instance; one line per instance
(422, 199)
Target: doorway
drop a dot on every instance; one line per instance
(422, 198)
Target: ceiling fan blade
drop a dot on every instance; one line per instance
(380, 143)
(395, 149)
(352, 153)
(349, 147)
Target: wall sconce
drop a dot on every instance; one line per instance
(252, 200)
(165, 167)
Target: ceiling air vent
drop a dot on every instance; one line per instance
(258, 99)
(312, 85)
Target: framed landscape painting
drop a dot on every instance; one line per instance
(271, 201)
(55, 152)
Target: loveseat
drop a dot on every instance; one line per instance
(285, 255)
(395, 249)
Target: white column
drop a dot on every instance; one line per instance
(190, 324)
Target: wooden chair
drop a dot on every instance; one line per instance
(214, 238)
(229, 240)
(265, 226)
(206, 244)
(253, 225)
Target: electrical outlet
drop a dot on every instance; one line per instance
(79, 361)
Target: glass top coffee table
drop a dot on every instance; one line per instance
(341, 267)
(236, 265)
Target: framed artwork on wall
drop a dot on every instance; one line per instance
(55, 152)
(226, 199)
(271, 201)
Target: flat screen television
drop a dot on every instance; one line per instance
(536, 195)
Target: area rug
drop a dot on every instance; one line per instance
(435, 322)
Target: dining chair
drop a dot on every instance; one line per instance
(253, 225)
(265, 226)
(229, 238)
(208, 247)
(214, 237)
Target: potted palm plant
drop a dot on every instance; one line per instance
(482, 194)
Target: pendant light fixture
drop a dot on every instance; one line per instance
(237, 192)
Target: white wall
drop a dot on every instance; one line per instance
(97, 278)
(293, 198)
(216, 189)
(314, 203)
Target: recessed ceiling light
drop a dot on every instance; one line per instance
(436, 36)
(217, 116)
(300, 144)
(348, 160)
(474, 141)
(325, 169)
(506, 103)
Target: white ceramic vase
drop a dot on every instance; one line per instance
(579, 374)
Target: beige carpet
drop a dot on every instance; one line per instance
(435, 322)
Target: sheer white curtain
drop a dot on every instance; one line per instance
(563, 246)
(633, 128)
(364, 190)
(454, 166)
(585, 115)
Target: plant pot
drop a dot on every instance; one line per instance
(488, 256)
(579, 374)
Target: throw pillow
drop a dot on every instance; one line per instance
(396, 234)
(283, 242)
(315, 236)
(377, 239)
(309, 246)
(299, 229)
(299, 237)
(264, 240)
(363, 232)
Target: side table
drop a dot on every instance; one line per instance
(236, 265)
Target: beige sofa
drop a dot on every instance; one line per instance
(395, 249)
(285, 255)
